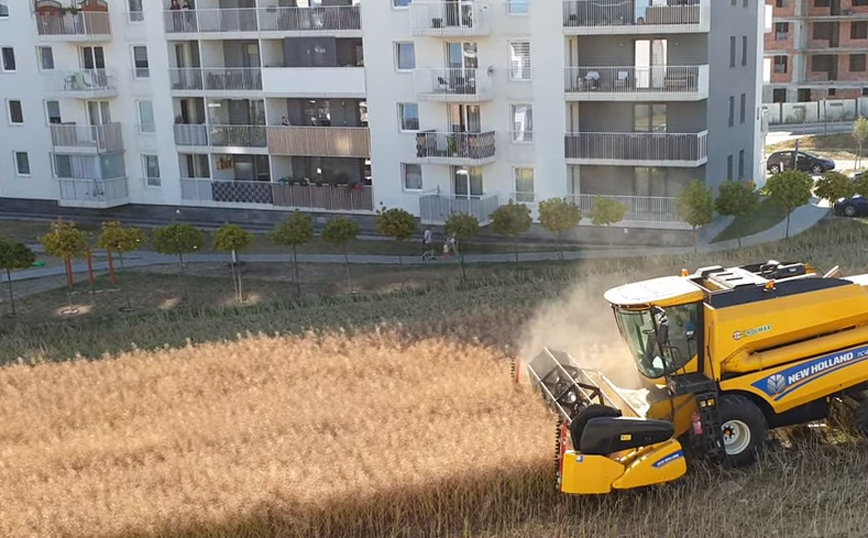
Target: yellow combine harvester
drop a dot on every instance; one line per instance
(726, 354)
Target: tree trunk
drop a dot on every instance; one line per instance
(738, 239)
(234, 278)
(788, 224)
(558, 246)
(463, 270)
(121, 256)
(240, 283)
(609, 233)
(67, 263)
(347, 266)
(181, 278)
(90, 278)
(295, 270)
(695, 239)
(11, 295)
(111, 264)
(516, 253)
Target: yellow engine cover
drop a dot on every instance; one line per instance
(664, 462)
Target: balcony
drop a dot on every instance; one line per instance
(646, 210)
(187, 134)
(637, 149)
(339, 21)
(320, 141)
(218, 79)
(438, 18)
(83, 26)
(453, 85)
(236, 193)
(82, 83)
(93, 193)
(221, 136)
(86, 139)
(455, 148)
(669, 83)
(314, 82)
(634, 17)
(436, 208)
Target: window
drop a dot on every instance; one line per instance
(780, 64)
(146, 117)
(519, 60)
(140, 61)
(8, 54)
(405, 56)
(744, 50)
(52, 112)
(729, 167)
(859, 30)
(781, 31)
(782, 3)
(151, 167)
(467, 181)
(135, 11)
(517, 7)
(524, 192)
(46, 58)
(857, 63)
(743, 111)
(741, 164)
(400, 3)
(732, 51)
(649, 118)
(16, 113)
(522, 122)
(412, 174)
(4, 10)
(22, 163)
(409, 115)
(731, 110)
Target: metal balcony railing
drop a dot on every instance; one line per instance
(81, 80)
(636, 80)
(639, 208)
(83, 23)
(464, 146)
(608, 13)
(243, 136)
(94, 192)
(239, 193)
(216, 79)
(99, 138)
(439, 17)
(320, 141)
(653, 146)
(452, 84)
(437, 208)
(187, 134)
(267, 19)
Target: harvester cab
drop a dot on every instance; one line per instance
(724, 354)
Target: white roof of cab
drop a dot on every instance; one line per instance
(652, 291)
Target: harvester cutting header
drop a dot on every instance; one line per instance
(725, 354)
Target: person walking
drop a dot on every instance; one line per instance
(427, 244)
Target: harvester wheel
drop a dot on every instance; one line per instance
(577, 426)
(744, 429)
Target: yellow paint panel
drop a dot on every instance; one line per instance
(664, 462)
(588, 475)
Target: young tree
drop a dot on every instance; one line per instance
(559, 215)
(736, 199)
(339, 231)
(463, 227)
(233, 238)
(860, 135)
(65, 241)
(695, 206)
(294, 231)
(861, 185)
(396, 224)
(834, 185)
(790, 189)
(114, 237)
(14, 256)
(511, 220)
(607, 211)
(178, 239)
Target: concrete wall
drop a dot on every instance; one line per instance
(817, 111)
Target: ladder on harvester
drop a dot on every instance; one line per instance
(712, 434)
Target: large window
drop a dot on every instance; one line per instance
(649, 117)
(519, 60)
(135, 11)
(522, 122)
(467, 181)
(409, 116)
(524, 189)
(151, 168)
(46, 58)
(140, 61)
(412, 174)
(405, 56)
(146, 117)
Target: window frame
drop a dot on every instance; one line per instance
(141, 13)
(40, 57)
(512, 67)
(404, 176)
(146, 172)
(3, 60)
(9, 111)
(18, 173)
(4, 4)
(397, 52)
(401, 127)
(518, 198)
(141, 122)
(527, 137)
(136, 69)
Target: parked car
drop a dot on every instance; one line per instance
(805, 162)
(856, 206)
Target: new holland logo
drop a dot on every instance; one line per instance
(776, 384)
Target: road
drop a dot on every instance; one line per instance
(784, 132)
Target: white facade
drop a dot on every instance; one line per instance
(488, 87)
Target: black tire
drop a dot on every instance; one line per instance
(817, 169)
(850, 211)
(774, 169)
(742, 417)
(577, 426)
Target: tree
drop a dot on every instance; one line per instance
(737, 199)
(294, 231)
(607, 211)
(462, 227)
(861, 185)
(339, 231)
(65, 241)
(695, 206)
(233, 238)
(790, 189)
(559, 215)
(834, 185)
(178, 239)
(396, 224)
(860, 134)
(14, 256)
(511, 220)
(114, 237)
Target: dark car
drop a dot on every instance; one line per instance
(806, 162)
(856, 206)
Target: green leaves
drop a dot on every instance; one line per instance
(64, 240)
(115, 237)
(736, 198)
(790, 189)
(232, 237)
(15, 256)
(395, 223)
(340, 231)
(695, 204)
(834, 185)
(511, 220)
(178, 239)
(607, 211)
(293, 231)
(462, 226)
(559, 215)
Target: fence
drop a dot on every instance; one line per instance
(830, 110)
(436, 208)
(639, 208)
(637, 146)
(238, 192)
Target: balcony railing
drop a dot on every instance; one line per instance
(216, 79)
(437, 208)
(237, 192)
(93, 138)
(633, 16)
(100, 193)
(269, 19)
(637, 80)
(455, 146)
(654, 146)
(243, 136)
(187, 134)
(82, 24)
(453, 84)
(320, 141)
(442, 18)
(81, 80)
(639, 208)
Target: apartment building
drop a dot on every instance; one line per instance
(435, 106)
(817, 50)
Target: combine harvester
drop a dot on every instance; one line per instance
(725, 355)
